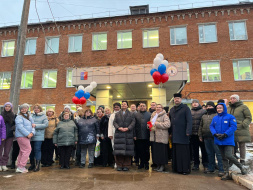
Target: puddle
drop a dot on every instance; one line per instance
(119, 177)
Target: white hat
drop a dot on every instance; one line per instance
(235, 96)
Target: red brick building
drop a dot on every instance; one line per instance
(216, 42)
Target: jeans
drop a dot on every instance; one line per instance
(36, 151)
(212, 150)
(227, 156)
(91, 152)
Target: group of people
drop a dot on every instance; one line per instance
(127, 134)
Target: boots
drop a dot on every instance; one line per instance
(226, 176)
(32, 165)
(158, 167)
(37, 168)
(162, 168)
(13, 166)
(244, 171)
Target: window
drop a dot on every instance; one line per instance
(237, 30)
(45, 107)
(178, 35)
(52, 45)
(75, 43)
(210, 71)
(99, 41)
(124, 40)
(8, 48)
(151, 38)
(69, 78)
(188, 73)
(72, 106)
(27, 79)
(30, 47)
(207, 33)
(242, 69)
(49, 79)
(5, 80)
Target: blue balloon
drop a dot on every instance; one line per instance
(79, 94)
(152, 71)
(162, 69)
(76, 94)
(87, 95)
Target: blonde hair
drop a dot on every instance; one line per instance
(80, 112)
(39, 106)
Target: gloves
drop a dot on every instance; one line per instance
(216, 135)
(222, 136)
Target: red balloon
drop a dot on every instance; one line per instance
(82, 100)
(165, 78)
(157, 82)
(75, 100)
(156, 76)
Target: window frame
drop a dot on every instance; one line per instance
(188, 73)
(206, 62)
(124, 31)
(3, 41)
(150, 29)
(48, 73)
(47, 105)
(25, 78)
(46, 45)
(205, 24)
(97, 33)
(238, 68)
(33, 38)
(178, 26)
(67, 79)
(237, 21)
(1, 81)
(74, 35)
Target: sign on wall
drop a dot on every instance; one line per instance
(84, 75)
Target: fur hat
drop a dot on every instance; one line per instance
(210, 103)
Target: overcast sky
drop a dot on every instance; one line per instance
(10, 10)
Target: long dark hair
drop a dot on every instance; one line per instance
(27, 117)
(8, 116)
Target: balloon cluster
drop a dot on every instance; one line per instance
(158, 72)
(83, 93)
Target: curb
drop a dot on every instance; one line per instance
(240, 180)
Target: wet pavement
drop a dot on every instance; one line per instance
(53, 178)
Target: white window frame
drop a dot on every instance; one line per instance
(46, 44)
(238, 68)
(147, 30)
(70, 105)
(47, 105)
(35, 45)
(3, 41)
(48, 79)
(22, 87)
(188, 70)
(205, 24)
(74, 35)
(236, 21)
(97, 33)
(2, 81)
(121, 32)
(67, 79)
(206, 62)
(178, 26)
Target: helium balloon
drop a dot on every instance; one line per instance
(80, 94)
(165, 78)
(89, 88)
(157, 62)
(166, 63)
(82, 100)
(160, 56)
(156, 76)
(152, 71)
(87, 95)
(81, 87)
(162, 69)
(75, 100)
(157, 82)
(93, 84)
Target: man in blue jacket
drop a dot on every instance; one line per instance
(223, 128)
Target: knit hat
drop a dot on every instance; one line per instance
(80, 108)
(221, 101)
(210, 103)
(8, 103)
(67, 108)
(195, 101)
(25, 105)
(235, 96)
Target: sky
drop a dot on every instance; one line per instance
(10, 10)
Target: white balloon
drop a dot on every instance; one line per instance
(160, 56)
(166, 63)
(89, 88)
(81, 87)
(93, 84)
(157, 62)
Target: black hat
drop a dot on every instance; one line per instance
(221, 101)
(210, 103)
(178, 95)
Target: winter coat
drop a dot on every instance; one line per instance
(65, 133)
(103, 126)
(2, 130)
(24, 126)
(41, 122)
(88, 130)
(204, 128)
(181, 124)
(124, 141)
(243, 118)
(141, 130)
(52, 124)
(197, 114)
(10, 128)
(160, 134)
(224, 123)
